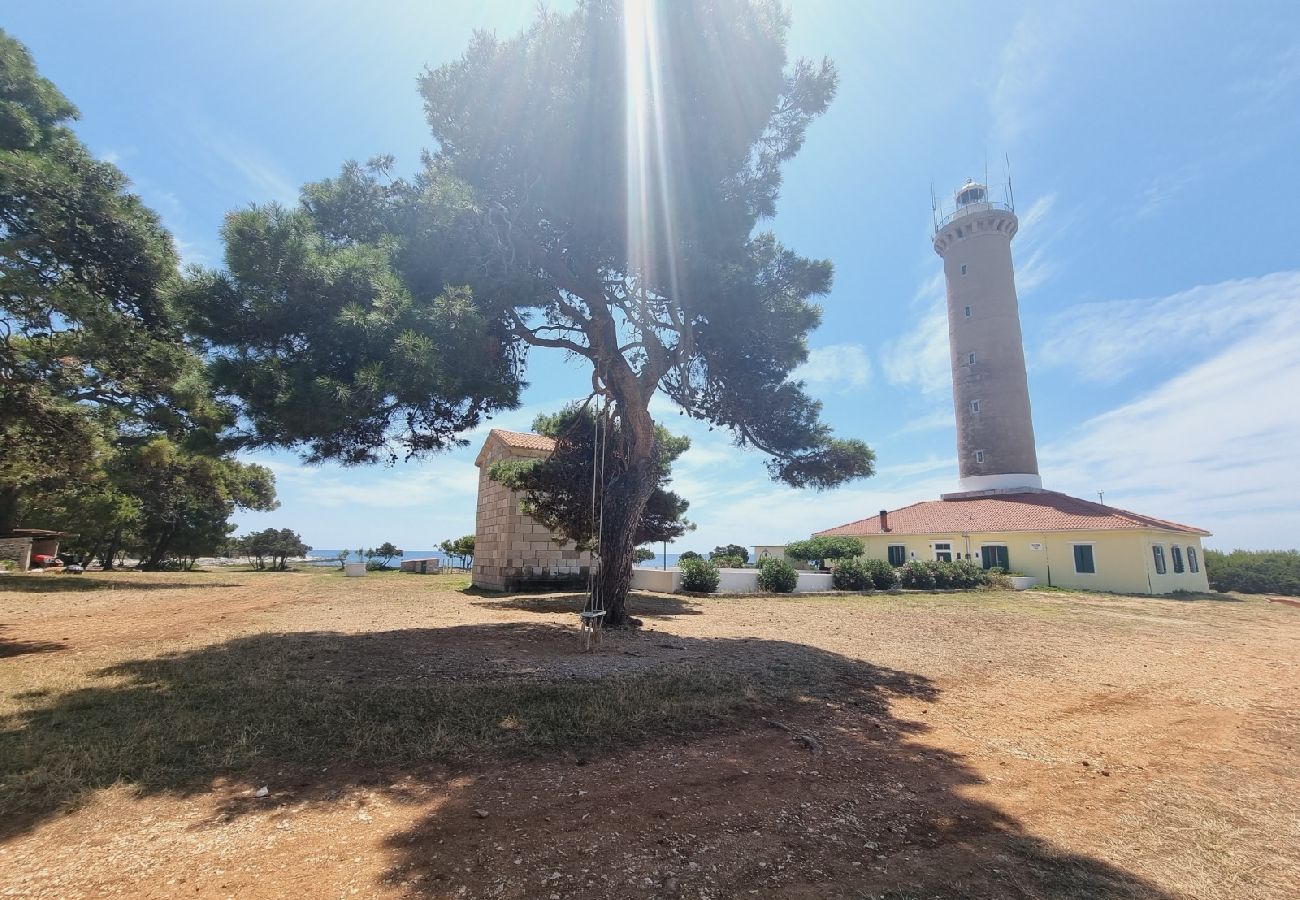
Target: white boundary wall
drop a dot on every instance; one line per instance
(730, 581)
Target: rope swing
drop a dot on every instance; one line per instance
(593, 610)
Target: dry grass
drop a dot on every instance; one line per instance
(1024, 745)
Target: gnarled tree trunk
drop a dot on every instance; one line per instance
(625, 501)
(625, 496)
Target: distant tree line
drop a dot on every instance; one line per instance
(1254, 571)
(461, 548)
(269, 549)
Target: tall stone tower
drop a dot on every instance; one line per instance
(995, 432)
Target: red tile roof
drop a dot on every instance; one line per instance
(1046, 511)
(524, 440)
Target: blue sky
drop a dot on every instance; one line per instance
(1154, 153)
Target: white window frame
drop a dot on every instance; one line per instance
(934, 548)
(979, 456)
(1075, 561)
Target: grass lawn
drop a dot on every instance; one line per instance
(415, 738)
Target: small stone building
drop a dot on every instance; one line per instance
(21, 544)
(511, 551)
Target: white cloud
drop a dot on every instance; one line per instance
(1276, 75)
(1166, 186)
(919, 358)
(1027, 63)
(1214, 446)
(939, 417)
(1104, 342)
(842, 365)
(1035, 266)
(264, 179)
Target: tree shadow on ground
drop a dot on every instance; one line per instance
(11, 647)
(727, 762)
(643, 606)
(71, 584)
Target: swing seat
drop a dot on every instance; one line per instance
(591, 630)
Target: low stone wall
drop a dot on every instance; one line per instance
(663, 581)
(730, 581)
(428, 566)
(17, 550)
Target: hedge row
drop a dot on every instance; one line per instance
(778, 576)
(1254, 571)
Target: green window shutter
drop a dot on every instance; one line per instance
(995, 555)
(1083, 559)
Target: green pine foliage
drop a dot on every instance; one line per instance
(384, 313)
(91, 345)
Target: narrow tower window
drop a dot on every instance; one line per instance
(968, 312)
(974, 406)
(979, 456)
(963, 268)
(971, 358)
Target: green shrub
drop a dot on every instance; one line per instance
(851, 575)
(968, 575)
(689, 554)
(960, 574)
(1254, 571)
(777, 575)
(917, 575)
(883, 575)
(699, 576)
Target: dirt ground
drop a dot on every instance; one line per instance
(937, 745)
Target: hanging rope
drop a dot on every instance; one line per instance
(593, 610)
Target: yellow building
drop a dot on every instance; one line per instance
(1060, 540)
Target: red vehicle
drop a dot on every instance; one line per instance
(45, 560)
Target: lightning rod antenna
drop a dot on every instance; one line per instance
(1011, 194)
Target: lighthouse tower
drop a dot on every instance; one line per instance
(995, 432)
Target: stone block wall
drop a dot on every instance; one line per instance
(17, 550)
(511, 551)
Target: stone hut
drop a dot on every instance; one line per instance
(511, 551)
(19, 545)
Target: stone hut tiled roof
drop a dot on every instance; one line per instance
(1036, 511)
(516, 440)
